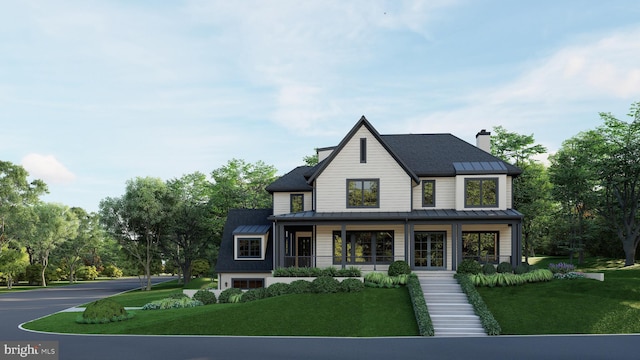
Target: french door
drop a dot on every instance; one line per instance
(429, 250)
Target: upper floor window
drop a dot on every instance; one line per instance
(249, 247)
(297, 203)
(363, 150)
(363, 193)
(481, 192)
(428, 193)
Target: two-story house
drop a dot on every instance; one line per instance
(429, 199)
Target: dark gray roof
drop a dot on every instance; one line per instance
(251, 230)
(480, 167)
(295, 180)
(246, 219)
(415, 215)
(435, 154)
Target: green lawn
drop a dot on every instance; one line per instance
(372, 312)
(581, 306)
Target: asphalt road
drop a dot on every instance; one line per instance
(20, 307)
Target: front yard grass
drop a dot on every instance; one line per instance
(581, 306)
(372, 312)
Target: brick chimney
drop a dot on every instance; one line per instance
(483, 140)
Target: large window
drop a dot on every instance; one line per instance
(249, 247)
(428, 193)
(297, 203)
(481, 192)
(363, 247)
(480, 245)
(363, 193)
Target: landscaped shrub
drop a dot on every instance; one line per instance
(489, 323)
(568, 276)
(87, 273)
(316, 272)
(112, 271)
(504, 267)
(351, 285)
(200, 267)
(103, 311)
(172, 303)
(420, 310)
(278, 289)
(205, 296)
(325, 285)
(178, 295)
(226, 294)
(508, 279)
(469, 266)
(521, 269)
(350, 271)
(300, 287)
(254, 294)
(562, 268)
(382, 280)
(399, 267)
(488, 269)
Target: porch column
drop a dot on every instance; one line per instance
(281, 242)
(343, 235)
(456, 245)
(516, 244)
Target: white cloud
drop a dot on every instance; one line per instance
(576, 79)
(48, 169)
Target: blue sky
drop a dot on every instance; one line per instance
(93, 93)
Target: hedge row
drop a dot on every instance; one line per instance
(332, 271)
(322, 284)
(425, 325)
(489, 323)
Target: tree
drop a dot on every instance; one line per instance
(574, 182)
(618, 169)
(56, 224)
(13, 261)
(138, 220)
(311, 160)
(190, 228)
(75, 250)
(16, 192)
(239, 185)
(531, 190)
(604, 173)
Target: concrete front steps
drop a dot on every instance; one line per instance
(450, 312)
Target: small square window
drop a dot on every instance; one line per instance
(249, 247)
(363, 193)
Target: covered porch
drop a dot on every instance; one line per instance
(429, 240)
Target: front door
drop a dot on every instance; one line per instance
(304, 252)
(429, 250)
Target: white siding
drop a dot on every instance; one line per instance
(282, 202)
(509, 192)
(445, 193)
(395, 185)
(502, 191)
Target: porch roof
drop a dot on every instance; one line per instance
(415, 215)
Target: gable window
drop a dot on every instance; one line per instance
(428, 193)
(363, 193)
(481, 246)
(481, 192)
(363, 150)
(249, 247)
(363, 247)
(297, 203)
